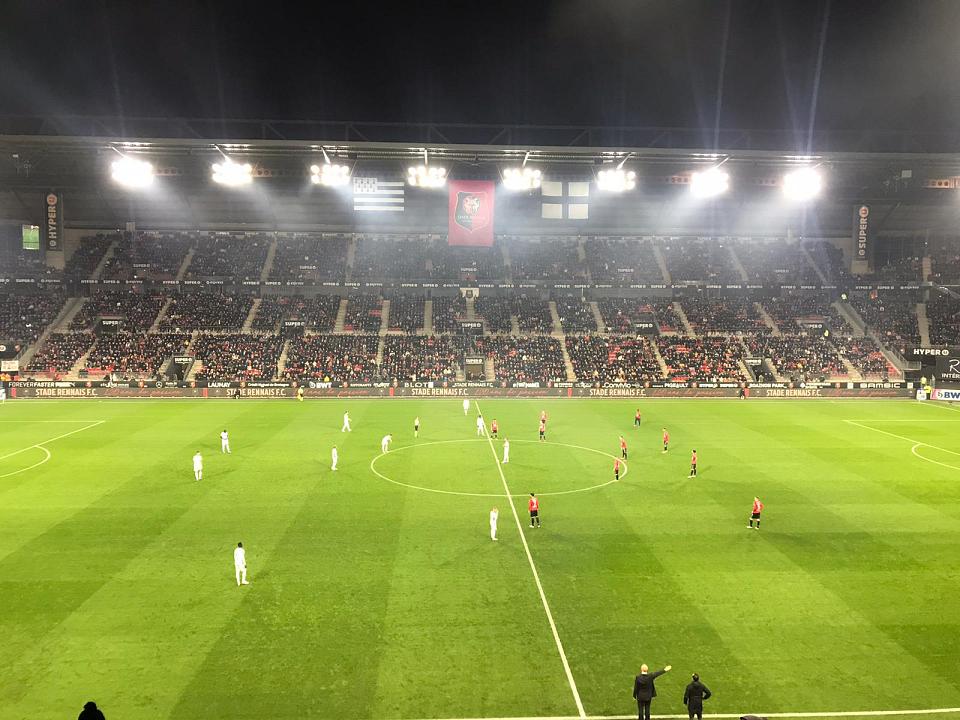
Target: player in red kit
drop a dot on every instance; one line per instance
(666, 440)
(543, 430)
(616, 468)
(623, 448)
(636, 418)
(494, 428)
(693, 464)
(755, 513)
(543, 416)
(534, 506)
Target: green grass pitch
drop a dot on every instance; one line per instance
(369, 599)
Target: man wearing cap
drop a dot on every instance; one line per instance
(694, 695)
(644, 691)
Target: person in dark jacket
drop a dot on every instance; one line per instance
(91, 712)
(694, 695)
(644, 690)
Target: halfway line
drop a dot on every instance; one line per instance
(536, 577)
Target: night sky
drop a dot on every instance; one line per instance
(885, 64)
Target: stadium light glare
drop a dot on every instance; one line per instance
(803, 184)
(427, 176)
(709, 183)
(616, 180)
(132, 173)
(232, 174)
(521, 178)
(329, 174)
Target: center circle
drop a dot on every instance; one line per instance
(491, 475)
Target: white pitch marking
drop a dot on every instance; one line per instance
(58, 437)
(902, 437)
(17, 472)
(536, 577)
(493, 495)
(723, 716)
(946, 465)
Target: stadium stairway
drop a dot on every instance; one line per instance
(662, 262)
(66, 316)
(341, 316)
(741, 270)
(852, 317)
(767, 320)
(926, 267)
(98, 270)
(70, 308)
(813, 263)
(427, 317)
(601, 326)
(471, 309)
(567, 363)
(351, 254)
(852, 372)
(923, 323)
(505, 253)
(268, 263)
(514, 325)
(489, 370)
(182, 272)
(581, 251)
(155, 327)
(251, 316)
(555, 316)
(384, 320)
(282, 360)
(683, 318)
(380, 345)
(81, 363)
(664, 372)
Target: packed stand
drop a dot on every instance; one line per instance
(898, 268)
(576, 315)
(605, 359)
(466, 264)
(333, 358)
(23, 318)
(702, 359)
(310, 258)
(60, 352)
(149, 256)
(533, 316)
(241, 257)
(237, 357)
(945, 261)
(551, 260)
(416, 358)
(799, 355)
(865, 355)
(705, 260)
(943, 315)
(25, 263)
(620, 315)
(523, 359)
(87, 257)
(893, 317)
(829, 260)
(496, 312)
(724, 317)
(138, 310)
(318, 312)
(206, 311)
(622, 260)
(776, 263)
(379, 258)
(139, 354)
(406, 313)
(787, 310)
(448, 311)
(364, 314)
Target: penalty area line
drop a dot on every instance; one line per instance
(50, 440)
(536, 577)
(724, 716)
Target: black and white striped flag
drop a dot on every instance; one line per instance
(564, 200)
(371, 194)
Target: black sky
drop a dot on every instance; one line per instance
(886, 64)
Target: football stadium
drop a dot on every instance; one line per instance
(477, 420)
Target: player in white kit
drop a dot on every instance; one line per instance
(198, 466)
(506, 451)
(224, 442)
(385, 443)
(466, 405)
(416, 426)
(480, 425)
(240, 564)
(333, 458)
(494, 514)
(346, 423)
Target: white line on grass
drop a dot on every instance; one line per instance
(935, 462)
(536, 578)
(58, 437)
(902, 437)
(721, 716)
(31, 467)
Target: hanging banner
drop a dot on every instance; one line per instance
(471, 213)
(861, 233)
(52, 222)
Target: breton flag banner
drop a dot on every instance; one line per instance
(470, 219)
(372, 194)
(564, 200)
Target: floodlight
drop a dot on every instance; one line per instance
(329, 175)
(616, 179)
(802, 184)
(427, 176)
(132, 173)
(709, 183)
(232, 174)
(521, 178)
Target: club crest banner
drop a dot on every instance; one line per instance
(471, 213)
